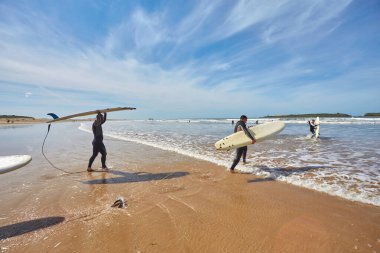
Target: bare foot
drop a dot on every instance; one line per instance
(89, 169)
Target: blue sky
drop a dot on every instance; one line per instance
(190, 59)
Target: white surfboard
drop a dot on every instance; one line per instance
(89, 113)
(13, 162)
(317, 124)
(259, 132)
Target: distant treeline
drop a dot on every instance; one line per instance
(321, 115)
(14, 117)
(372, 114)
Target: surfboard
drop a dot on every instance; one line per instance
(56, 118)
(259, 132)
(13, 162)
(317, 123)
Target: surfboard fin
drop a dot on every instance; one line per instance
(54, 116)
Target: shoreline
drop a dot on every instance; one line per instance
(174, 204)
(265, 175)
(17, 122)
(3, 122)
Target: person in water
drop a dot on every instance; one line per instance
(241, 126)
(97, 143)
(313, 126)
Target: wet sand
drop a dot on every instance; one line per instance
(174, 204)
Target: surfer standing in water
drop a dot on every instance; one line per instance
(313, 126)
(97, 143)
(241, 126)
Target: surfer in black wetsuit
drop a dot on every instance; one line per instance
(313, 126)
(240, 126)
(97, 143)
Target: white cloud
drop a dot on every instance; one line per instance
(137, 34)
(247, 13)
(281, 19)
(28, 94)
(194, 22)
(304, 18)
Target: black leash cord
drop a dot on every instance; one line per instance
(43, 153)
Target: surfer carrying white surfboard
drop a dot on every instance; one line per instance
(241, 126)
(313, 126)
(97, 143)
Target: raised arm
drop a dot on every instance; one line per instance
(104, 117)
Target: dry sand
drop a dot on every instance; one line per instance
(21, 121)
(174, 204)
(17, 121)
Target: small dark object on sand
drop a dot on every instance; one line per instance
(119, 203)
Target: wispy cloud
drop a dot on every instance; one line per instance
(137, 34)
(28, 94)
(307, 18)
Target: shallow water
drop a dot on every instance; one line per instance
(343, 162)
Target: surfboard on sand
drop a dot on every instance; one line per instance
(317, 124)
(259, 132)
(56, 118)
(13, 162)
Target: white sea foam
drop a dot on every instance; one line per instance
(334, 121)
(344, 162)
(169, 146)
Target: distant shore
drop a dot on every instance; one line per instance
(372, 114)
(321, 115)
(19, 120)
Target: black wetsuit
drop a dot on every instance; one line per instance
(97, 143)
(312, 127)
(242, 150)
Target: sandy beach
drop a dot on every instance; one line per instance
(186, 89)
(17, 121)
(174, 204)
(27, 121)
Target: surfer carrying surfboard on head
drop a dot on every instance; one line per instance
(97, 143)
(241, 126)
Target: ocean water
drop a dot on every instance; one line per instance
(344, 162)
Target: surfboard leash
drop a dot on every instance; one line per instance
(43, 153)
